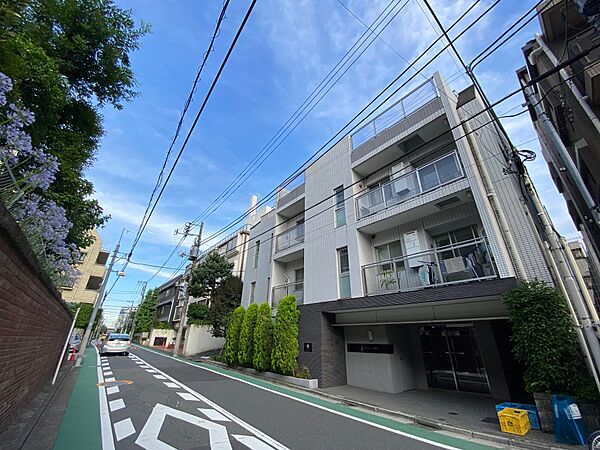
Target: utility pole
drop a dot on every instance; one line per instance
(131, 333)
(99, 302)
(193, 257)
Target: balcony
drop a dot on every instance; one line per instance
(457, 263)
(290, 238)
(405, 187)
(295, 288)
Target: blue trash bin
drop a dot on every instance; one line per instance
(568, 423)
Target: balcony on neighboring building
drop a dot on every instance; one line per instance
(295, 288)
(425, 179)
(462, 262)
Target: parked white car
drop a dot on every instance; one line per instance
(115, 343)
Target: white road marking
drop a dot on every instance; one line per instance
(148, 437)
(143, 366)
(108, 373)
(116, 405)
(112, 390)
(159, 377)
(324, 408)
(124, 428)
(188, 396)
(265, 437)
(214, 415)
(150, 370)
(252, 442)
(169, 384)
(105, 428)
(109, 379)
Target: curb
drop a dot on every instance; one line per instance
(418, 420)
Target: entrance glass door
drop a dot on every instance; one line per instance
(452, 358)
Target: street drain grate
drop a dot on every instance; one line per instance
(347, 403)
(115, 383)
(453, 413)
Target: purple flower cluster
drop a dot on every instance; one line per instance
(43, 221)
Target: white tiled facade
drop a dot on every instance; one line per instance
(412, 225)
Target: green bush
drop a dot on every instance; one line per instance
(198, 314)
(163, 326)
(545, 341)
(232, 337)
(263, 338)
(246, 345)
(285, 337)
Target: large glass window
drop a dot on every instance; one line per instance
(340, 207)
(344, 272)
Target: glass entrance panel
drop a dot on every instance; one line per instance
(452, 358)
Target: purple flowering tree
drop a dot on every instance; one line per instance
(25, 174)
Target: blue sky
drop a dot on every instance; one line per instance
(287, 47)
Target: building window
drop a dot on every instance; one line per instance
(252, 291)
(231, 245)
(340, 207)
(256, 254)
(344, 272)
(82, 256)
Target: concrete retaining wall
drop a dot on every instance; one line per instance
(199, 339)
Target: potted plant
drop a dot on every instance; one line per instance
(545, 341)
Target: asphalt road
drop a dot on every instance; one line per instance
(167, 403)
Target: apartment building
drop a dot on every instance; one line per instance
(568, 103)
(398, 244)
(169, 295)
(92, 266)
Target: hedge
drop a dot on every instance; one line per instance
(263, 338)
(246, 341)
(285, 337)
(233, 335)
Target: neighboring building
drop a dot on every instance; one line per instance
(571, 100)
(92, 266)
(124, 318)
(169, 295)
(394, 250)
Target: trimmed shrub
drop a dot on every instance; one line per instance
(232, 338)
(198, 314)
(545, 341)
(285, 337)
(263, 338)
(246, 345)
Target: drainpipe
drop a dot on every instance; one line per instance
(569, 82)
(494, 203)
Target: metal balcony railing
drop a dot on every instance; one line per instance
(407, 105)
(457, 263)
(424, 179)
(295, 288)
(290, 237)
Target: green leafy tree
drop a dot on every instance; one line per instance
(232, 339)
(85, 314)
(209, 274)
(198, 314)
(246, 346)
(226, 297)
(545, 341)
(66, 58)
(285, 337)
(163, 326)
(263, 338)
(146, 314)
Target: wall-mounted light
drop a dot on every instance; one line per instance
(370, 335)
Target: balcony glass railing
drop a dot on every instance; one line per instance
(290, 237)
(407, 105)
(295, 288)
(424, 179)
(457, 263)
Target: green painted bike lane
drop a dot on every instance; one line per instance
(80, 427)
(434, 436)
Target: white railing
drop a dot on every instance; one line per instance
(407, 105)
(295, 288)
(456, 263)
(289, 238)
(426, 178)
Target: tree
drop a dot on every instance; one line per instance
(226, 297)
(246, 345)
(85, 314)
(233, 336)
(545, 341)
(285, 337)
(263, 338)
(146, 313)
(163, 326)
(66, 58)
(198, 314)
(209, 274)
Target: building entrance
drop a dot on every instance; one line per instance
(453, 359)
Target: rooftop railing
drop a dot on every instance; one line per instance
(407, 105)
